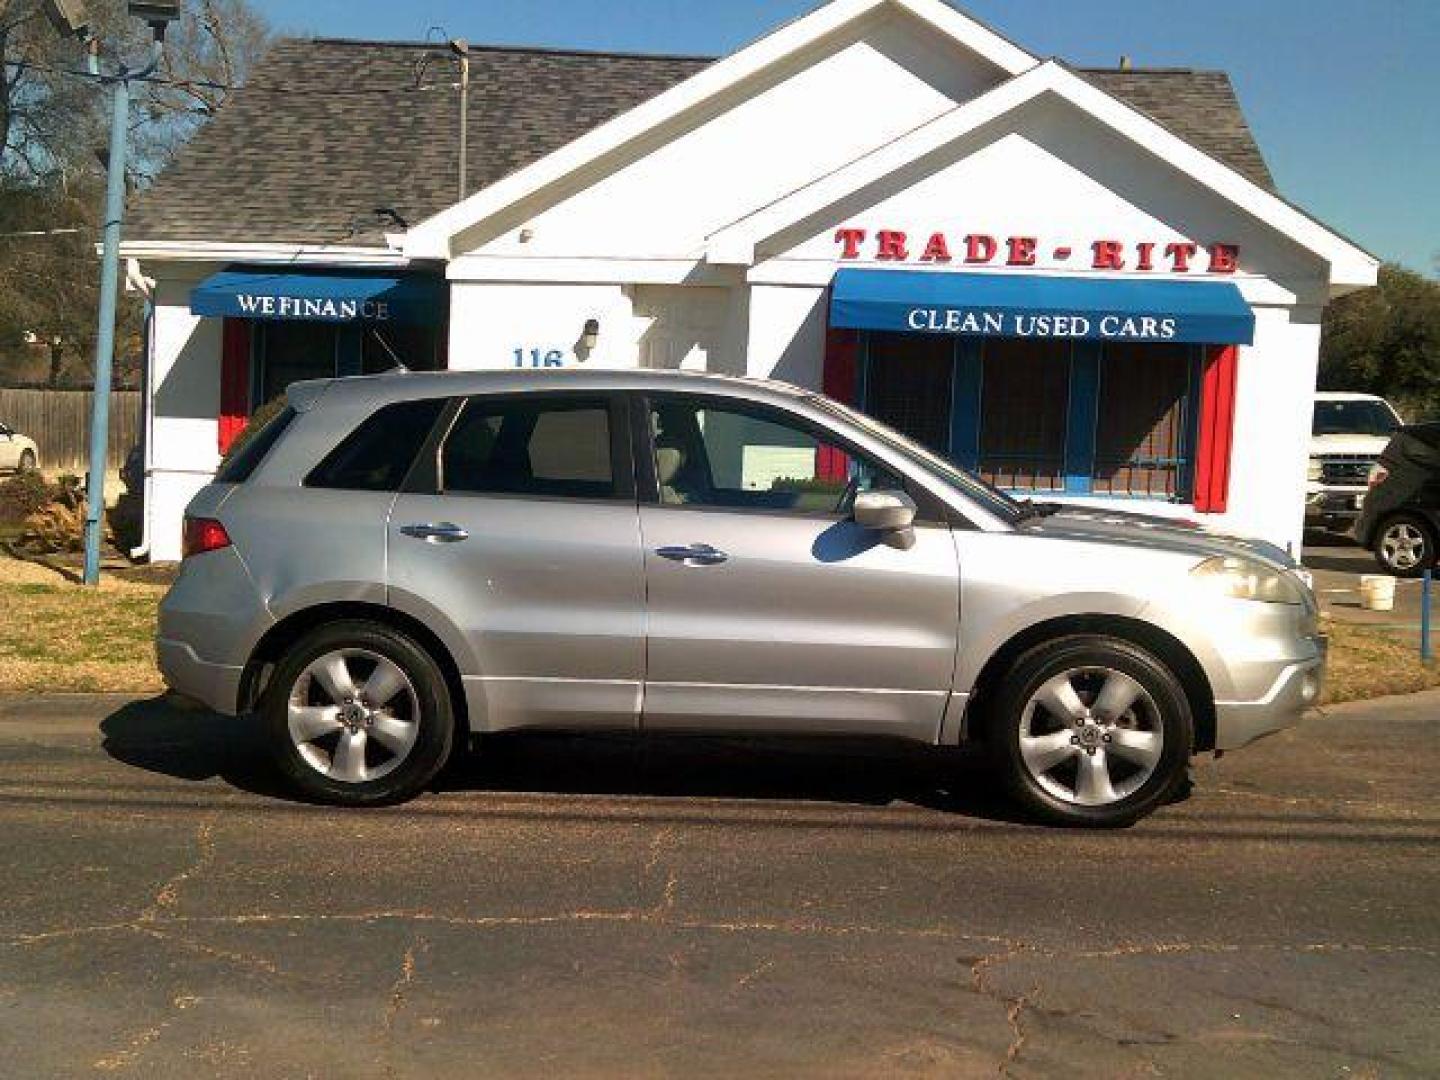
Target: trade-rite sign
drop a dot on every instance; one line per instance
(978, 249)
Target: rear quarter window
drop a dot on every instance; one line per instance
(379, 454)
(241, 465)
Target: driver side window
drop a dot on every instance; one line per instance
(754, 458)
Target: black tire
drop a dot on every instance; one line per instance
(27, 462)
(1167, 711)
(1427, 558)
(434, 714)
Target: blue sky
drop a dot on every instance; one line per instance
(1344, 95)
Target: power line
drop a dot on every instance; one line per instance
(249, 88)
(40, 233)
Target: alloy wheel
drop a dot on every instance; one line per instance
(1092, 736)
(354, 716)
(1403, 546)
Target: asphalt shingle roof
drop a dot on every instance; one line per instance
(1199, 106)
(326, 132)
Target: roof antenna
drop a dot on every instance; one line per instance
(399, 368)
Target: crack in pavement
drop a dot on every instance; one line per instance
(1014, 1017)
(395, 1004)
(750, 977)
(819, 929)
(169, 894)
(1015, 1007)
(132, 1051)
(403, 983)
(240, 959)
(666, 903)
(165, 900)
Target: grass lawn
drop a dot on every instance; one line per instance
(1368, 663)
(59, 637)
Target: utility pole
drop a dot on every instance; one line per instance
(68, 19)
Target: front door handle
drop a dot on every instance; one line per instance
(694, 555)
(443, 533)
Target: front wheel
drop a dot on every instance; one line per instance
(358, 714)
(27, 462)
(1092, 731)
(1405, 546)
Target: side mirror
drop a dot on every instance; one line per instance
(890, 512)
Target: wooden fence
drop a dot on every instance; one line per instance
(59, 422)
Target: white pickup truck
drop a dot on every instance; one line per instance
(1351, 432)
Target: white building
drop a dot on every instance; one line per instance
(1079, 283)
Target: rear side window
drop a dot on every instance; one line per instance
(559, 450)
(378, 455)
(242, 464)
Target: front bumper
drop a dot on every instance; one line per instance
(1343, 504)
(1296, 687)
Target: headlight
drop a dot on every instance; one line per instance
(1241, 579)
(1317, 471)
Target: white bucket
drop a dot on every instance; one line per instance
(1377, 593)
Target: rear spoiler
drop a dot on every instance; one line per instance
(304, 396)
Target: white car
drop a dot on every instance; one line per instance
(17, 453)
(1351, 432)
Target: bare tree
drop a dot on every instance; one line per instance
(53, 127)
(208, 54)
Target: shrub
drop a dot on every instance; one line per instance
(58, 527)
(258, 420)
(23, 495)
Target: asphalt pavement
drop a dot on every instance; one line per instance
(613, 907)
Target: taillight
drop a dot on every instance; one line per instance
(203, 535)
(1378, 475)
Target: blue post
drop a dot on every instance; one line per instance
(105, 342)
(1427, 651)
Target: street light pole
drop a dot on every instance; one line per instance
(159, 16)
(109, 304)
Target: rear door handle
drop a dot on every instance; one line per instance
(694, 555)
(443, 533)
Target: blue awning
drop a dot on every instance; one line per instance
(1021, 306)
(319, 296)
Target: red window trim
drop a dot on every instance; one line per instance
(842, 383)
(1213, 455)
(234, 382)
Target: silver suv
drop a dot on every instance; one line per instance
(397, 564)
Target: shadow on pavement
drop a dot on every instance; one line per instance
(195, 745)
(159, 737)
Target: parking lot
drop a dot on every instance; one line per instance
(1339, 564)
(607, 907)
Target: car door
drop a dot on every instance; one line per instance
(527, 540)
(769, 608)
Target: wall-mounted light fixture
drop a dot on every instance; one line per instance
(591, 338)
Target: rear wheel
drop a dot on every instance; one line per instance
(1092, 731)
(358, 714)
(1405, 546)
(27, 461)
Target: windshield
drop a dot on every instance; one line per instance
(993, 500)
(1354, 418)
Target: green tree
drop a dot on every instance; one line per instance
(1386, 341)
